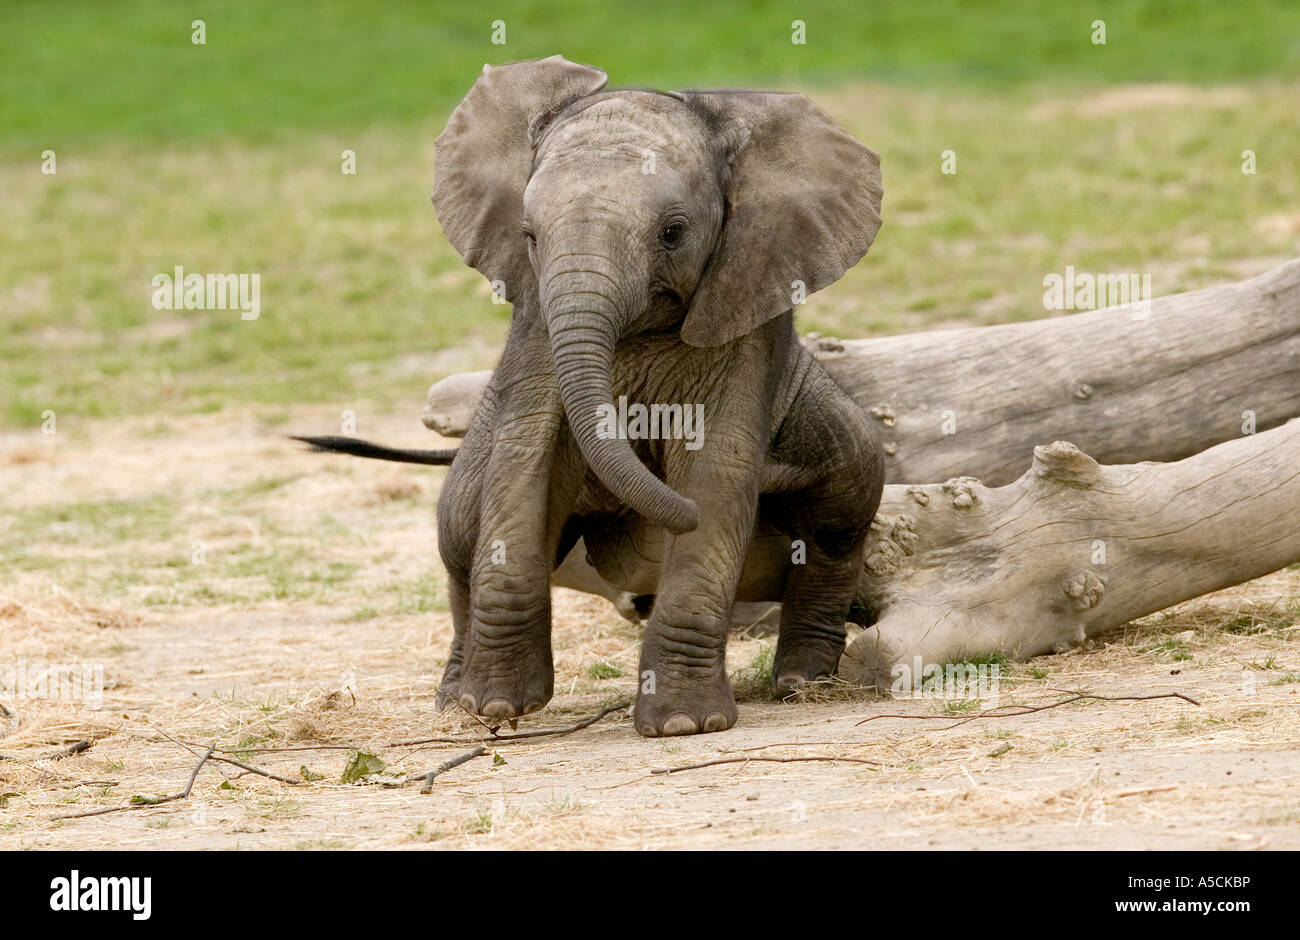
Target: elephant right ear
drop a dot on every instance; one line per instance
(484, 157)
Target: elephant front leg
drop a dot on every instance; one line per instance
(507, 667)
(458, 515)
(683, 675)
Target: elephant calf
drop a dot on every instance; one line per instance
(653, 246)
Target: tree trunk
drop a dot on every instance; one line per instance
(1069, 550)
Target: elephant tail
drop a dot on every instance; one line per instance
(359, 448)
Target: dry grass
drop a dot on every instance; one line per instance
(337, 663)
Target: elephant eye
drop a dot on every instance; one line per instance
(671, 235)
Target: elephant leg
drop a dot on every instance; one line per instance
(683, 676)
(508, 669)
(458, 529)
(449, 687)
(828, 522)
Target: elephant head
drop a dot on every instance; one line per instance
(703, 212)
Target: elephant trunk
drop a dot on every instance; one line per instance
(582, 320)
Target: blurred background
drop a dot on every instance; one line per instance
(226, 157)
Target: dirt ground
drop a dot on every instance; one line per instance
(239, 592)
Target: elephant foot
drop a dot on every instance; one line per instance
(797, 664)
(449, 688)
(502, 685)
(446, 696)
(687, 710)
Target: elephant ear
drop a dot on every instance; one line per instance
(803, 208)
(484, 158)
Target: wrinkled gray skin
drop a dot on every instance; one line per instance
(671, 286)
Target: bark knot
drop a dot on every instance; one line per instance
(885, 413)
(1085, 589)
(1065, 463)
(963, 490)
(815, 342)
(894, 542)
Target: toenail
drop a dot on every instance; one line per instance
(680, 724)
(499, 708)
(715, 722)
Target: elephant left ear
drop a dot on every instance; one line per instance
(803, 207)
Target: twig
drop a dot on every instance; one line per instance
(585, 723)
(178, 742)
(772, 760)
(257, 770)
(492, 729)
(1000, 712)
(194, 775)
(281, 750)
(445, 766)
(764, 747)
(144, 802)
(1138, 791)
(75, 748)
(227, 760)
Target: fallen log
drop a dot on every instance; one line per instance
(958, 570)
(1123, 383)
(1070, 549)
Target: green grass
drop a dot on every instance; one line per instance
(82, 71)
(754, 682)
(1171, 650)
(1275, 621)
(364, 303)
(604, 670)
(225, 158)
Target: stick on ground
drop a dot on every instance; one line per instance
(1000, 712)
(445, 766)
(144, 802)
(585, 723)
(770, 760)
(75, 748)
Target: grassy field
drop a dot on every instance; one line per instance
(81, 70)
(227, 157)
(241, 591)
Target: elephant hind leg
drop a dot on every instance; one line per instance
(828, 522)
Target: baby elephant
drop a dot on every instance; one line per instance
(652, 392)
